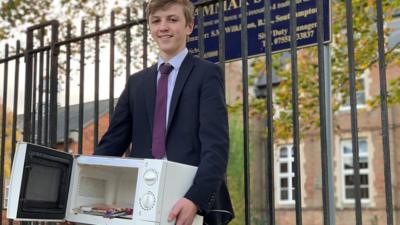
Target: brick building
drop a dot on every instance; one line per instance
(371, 163)
(88, 126)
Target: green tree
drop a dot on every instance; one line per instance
(8, 137)
(17, 15)
(366, 56)
(235, 167)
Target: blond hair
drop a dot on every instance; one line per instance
(188, 8)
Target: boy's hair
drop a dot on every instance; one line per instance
(188, 8)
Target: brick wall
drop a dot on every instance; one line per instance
(369, 126)
(88, 130)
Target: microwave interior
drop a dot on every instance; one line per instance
(102, 190)
(44, 184)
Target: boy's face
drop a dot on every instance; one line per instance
(169, 29)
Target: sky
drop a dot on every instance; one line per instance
(119, 81)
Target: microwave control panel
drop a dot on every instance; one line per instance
(147, 201)
(149, 190)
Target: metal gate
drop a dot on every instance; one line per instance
(42, 63)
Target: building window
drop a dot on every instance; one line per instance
(347, 167)
(361, 93)
(286, 182)
(394, 31)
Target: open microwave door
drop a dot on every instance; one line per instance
(39, 184)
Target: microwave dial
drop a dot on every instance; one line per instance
(150, 177)
(147, 201)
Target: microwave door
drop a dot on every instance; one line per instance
(39, 184)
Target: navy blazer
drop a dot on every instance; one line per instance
(197, 130)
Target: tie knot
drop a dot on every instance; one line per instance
(166, 68)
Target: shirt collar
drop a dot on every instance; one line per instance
(175, 61)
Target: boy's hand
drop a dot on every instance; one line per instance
(183, 212)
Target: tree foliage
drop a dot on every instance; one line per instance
(235, 169)
(17, 15)
(366, 56)
(8, 137)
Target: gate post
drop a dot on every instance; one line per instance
(28, 86)
(53, 84)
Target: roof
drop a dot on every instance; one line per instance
(88, 117)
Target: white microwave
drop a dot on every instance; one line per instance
(49, 185)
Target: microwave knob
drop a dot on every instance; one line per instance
(150, 177)
(148, 201)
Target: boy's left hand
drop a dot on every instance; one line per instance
(183, 212)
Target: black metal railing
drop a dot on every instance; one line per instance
(41, 79)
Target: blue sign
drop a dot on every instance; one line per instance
(306, 27)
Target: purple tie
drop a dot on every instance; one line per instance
(159, 126)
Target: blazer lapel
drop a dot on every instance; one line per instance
(183, 74)
(150, 89)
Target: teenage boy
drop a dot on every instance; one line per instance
(175, 110)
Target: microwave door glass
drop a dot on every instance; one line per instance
(43, 190)
(45, 183)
